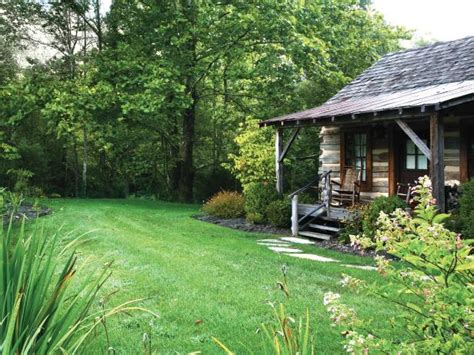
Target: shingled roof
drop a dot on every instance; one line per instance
(428, 76)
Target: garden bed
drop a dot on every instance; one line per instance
(27, 211)
(243, 225)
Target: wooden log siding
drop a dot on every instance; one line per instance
(330, 151)
(330, 146)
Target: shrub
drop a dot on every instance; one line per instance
(431, 287)
(225, 204)
(380, 204)
(352, 225)
(466, 209)
(279, 213)
(258, 197)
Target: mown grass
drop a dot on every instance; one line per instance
(204, 280)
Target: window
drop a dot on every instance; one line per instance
(356, 149)
(415, 159)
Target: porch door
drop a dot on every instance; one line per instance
(412, 162)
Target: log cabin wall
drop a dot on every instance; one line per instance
(330, 151)
(452, 148)
(330, 155)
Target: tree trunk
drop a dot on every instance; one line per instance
(76, 167)
(84, 163)
(186, 181)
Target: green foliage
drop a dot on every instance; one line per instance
(255, 160)
(279, 212)
(372, 212)
(225, 204)
(45, 307)
(37, 315)
(363, 217)
(132, 106)
(431, 287)
(258, 197)
(466, 210)
(354, 223)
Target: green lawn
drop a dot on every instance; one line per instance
(203, 280)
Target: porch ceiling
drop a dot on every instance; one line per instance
(435, 97)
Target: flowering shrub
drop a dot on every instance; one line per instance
(225, 204)
(432, 285)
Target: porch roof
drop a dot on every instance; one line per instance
(434, 77)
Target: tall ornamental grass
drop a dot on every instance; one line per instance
(44, 307)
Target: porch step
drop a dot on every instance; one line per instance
(314, 235)
(325, 228)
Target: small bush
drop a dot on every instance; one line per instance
(225, 204)
(380, 204)
(279, 213)
(466, 209)
(353, 225)
(258, 197)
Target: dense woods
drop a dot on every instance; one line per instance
(162, 97)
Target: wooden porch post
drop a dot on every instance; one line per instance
(437, 159)
(278, 161)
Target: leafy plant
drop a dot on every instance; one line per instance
(40, 311)
(466, 209)
(432, 286)
(379, 204)
(353, 224)
(257, 198)
(279, 213)
(225, 204)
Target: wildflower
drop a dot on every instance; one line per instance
(458, 241)
(330, 297)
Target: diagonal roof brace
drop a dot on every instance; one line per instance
(414, 137)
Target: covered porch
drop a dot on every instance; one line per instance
(389, 150)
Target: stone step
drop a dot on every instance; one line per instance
(314, 235)
(325, 228)
(285, 250)
(314, 257)
(297, 240)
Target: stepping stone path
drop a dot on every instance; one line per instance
(285, 250)
(286, 246)
(314, 257)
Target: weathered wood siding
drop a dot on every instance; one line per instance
(330, 155)
(380, 145)
(452, 148)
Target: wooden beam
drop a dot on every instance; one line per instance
(415, 139)
(278, 163)
(463, 152)
(392, 180)
(437, 159)
(288, 144)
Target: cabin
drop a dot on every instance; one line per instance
(410, 114)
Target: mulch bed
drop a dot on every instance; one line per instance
(243, 225)
(27, 211)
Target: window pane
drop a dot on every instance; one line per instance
(411, 162)
(357, 139)
(363, 151)
(422, 162)
(363, 138)
(357, 151)
(410, 147)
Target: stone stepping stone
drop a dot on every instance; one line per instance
(362, 267)
(285, 250)
(314, 257)
(297, 240)
(277, 241)
(274, 244)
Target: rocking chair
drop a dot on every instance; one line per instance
(404, 192)
(347, 192)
